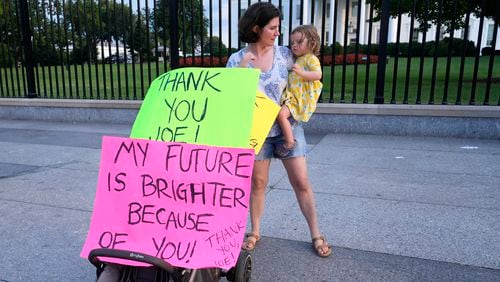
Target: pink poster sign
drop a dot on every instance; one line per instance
(184, 203)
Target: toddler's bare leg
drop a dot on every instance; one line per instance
(285, 125)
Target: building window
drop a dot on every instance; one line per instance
(489, 36)
(327, 35)
(351, 28)
(415, 35)
(441, 34)
(462, 33)
(328, 10)
(297, 10)
(354, 11)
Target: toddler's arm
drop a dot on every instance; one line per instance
(307, 75)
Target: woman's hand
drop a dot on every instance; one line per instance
(247, 58)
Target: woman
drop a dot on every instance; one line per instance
(259, 27)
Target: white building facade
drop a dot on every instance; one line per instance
(330, 10)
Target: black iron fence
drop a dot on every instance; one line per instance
(373, 51)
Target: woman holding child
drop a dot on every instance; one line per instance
(259, 27)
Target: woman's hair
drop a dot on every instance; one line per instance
(312, 36)
(258, 14)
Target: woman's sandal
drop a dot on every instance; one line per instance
(251, 240)
(320, 248)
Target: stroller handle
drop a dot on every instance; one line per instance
(128, 255)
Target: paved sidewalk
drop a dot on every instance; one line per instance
(395, 208)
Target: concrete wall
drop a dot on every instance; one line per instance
(408, 120)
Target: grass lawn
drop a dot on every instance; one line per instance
(130, 81)
(400, 81)
(94, 81)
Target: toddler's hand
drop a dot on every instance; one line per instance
(297, 69)
(247, 57)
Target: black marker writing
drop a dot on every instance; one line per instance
(187, 81)
(137, 154)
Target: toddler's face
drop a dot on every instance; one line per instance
(299, 43)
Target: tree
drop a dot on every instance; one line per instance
(214, 45)
(139, 41)
(41, 26)
(449, 13)
(92, 21)
(192, 23)
(10, 36)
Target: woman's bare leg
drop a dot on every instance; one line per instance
(297, 174)
(260, 178)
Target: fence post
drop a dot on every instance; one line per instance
(28, 50)
(382, 52)
(174, 34)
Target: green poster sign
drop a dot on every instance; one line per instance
(210, 106)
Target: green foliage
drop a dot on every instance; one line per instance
(81, 25)
(326, 50)
(214, 46)
(450, 14)
(333, 48)
(9, 33)
(139, 41)
(487, 51)
(337, 48)
(81, 55)
(457, 48)
(46, 56)
(192, 23)
(6, 56)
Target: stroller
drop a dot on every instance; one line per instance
(161, 271)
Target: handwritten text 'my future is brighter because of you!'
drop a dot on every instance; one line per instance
(181, 158)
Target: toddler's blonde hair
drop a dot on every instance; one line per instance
(312, 36)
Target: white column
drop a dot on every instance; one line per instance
(341, 28)
(362, 22)
(405, 29)
(318, 12)
(305, 12)
(284, 24)
(331, 40)
(473, 30)
(391, 35)
(497, 44)
(484, 36)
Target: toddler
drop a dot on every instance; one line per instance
(304, 87)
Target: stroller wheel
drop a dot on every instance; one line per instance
(243, 268)
(242, 271)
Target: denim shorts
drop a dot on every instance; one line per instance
(267, 150)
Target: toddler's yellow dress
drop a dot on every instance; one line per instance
(302, 95)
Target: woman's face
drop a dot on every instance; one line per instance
(269, 33)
